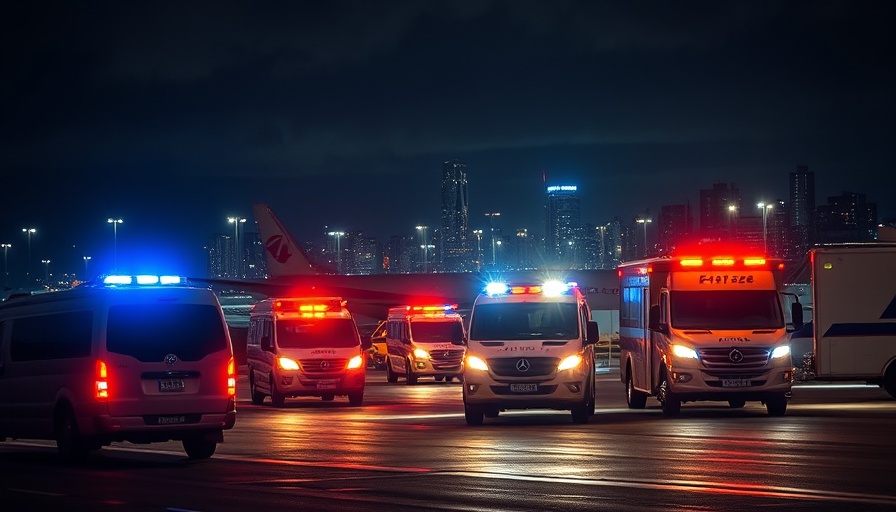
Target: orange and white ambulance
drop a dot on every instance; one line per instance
(705, 323)
(424, 341)
(304, 346)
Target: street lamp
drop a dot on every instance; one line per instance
(478, 233)
(338, 235)
(5, 268)
(86, 269)
(644, 222)
(46, 272)
(115, 223)
(237, 251)
(491, 222)
(732, 215)
(765, 208)
(29, 232)
(424, 247)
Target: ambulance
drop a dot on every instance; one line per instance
(531, 346)
(424, 341)
(123, 358)
(304, 346)
(704, 323)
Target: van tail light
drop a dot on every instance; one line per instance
(101, 384)
(231, 377)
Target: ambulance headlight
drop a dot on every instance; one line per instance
(355, 362)
(419, 353)
(287, 363)
(475, 363)
(684, 352)
(782, 351)
(569, 362)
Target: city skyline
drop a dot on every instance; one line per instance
(341, 114)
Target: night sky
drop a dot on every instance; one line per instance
(176, 115)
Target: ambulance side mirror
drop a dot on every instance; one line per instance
(592, 334)
(796, 315)
(653, 320)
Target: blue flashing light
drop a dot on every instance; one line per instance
(141, 280)
(118, 280)
(170, 280)
(554, 288)
(496, 289)
(146, 280)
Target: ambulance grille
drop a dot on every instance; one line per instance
(734, 357)
(523, 366)
(323, 365)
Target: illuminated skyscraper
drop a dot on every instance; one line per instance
(457, 254)
(562, 221)
(802, 212)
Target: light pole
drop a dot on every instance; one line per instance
(237, 251)
(644, 222)
(86, 269)
(338, 235)
(46, 272)
(115, 223)
(491, 221)
(478, 233)
(5, 267)
(424, 247)
(29, 232)
(732, 216)
(765, 208)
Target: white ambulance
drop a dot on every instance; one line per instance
(705, 323)
(304, 346)
(531, 346)
(424, 341)
(127, 358)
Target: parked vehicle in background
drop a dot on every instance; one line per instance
(378, 348)
(304, 346)
(531, 346)
(127, 358)
(853, 331)
(705, 323)
(424, 341)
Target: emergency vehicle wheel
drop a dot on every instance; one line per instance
(356, 399)
(69, 443)
(671, 404)
(327, 398)
(776, 405)
(257, 397)
(197, 447)
(635, 399)
(474, 415)
(277, 399)
(889, 383)
(736, 403)
(438, 378)
(391, 376)
(410, 377)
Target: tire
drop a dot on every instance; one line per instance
(69, 443)
(409, 376)
(277, 399)
(391, 376)
(580, 414)
(634, 398)
(736, 403)
(327, 398)
(356, 399)
(438, 378)
(257, 397)
(776, 405)
(889, 382)
(199, 447)
(473, 415)
(671, 403)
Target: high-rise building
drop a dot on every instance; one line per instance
(848, 217)
(220, 256)
(715, 214)
(562, 222)
(673, 226)
(801, 207)
(456, 247)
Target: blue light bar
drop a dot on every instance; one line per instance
(141, 280)
(118, 280)
(496, 288)
(144, 279)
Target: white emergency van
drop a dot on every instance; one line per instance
(704, 323)
(126, 358)
(424, 341)
(531, 346)
(304, 346)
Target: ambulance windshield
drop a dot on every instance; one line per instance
(721, 310)
(450, 331)
(317, 333)
(525, 321)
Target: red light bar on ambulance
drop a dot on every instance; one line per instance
(445, 308)
(308, 307)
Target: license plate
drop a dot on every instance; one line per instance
(172, 420)
(326, 384)
(171, 385)
(736, 383)
(523, 388)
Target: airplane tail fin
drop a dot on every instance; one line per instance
(282, 254)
